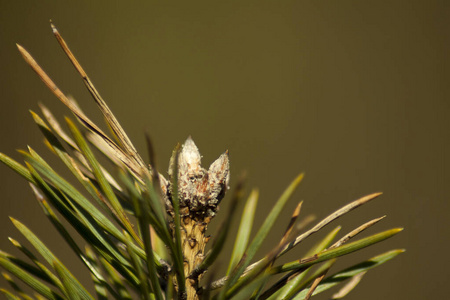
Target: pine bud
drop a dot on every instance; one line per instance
(199, 190)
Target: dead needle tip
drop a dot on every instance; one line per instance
(53, 27)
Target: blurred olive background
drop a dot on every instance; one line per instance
(353, 93)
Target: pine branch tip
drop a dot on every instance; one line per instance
(183, 223)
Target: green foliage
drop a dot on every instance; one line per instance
(122, 219)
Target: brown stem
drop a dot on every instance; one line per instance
(193, 246)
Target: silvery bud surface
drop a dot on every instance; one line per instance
(199, 190)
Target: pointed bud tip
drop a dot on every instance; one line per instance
(189, 153)
(189, 142)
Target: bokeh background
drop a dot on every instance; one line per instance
(353, 93)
